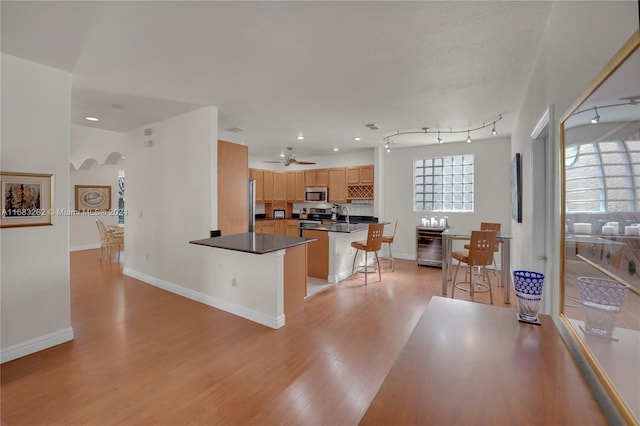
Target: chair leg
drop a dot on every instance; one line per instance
(353, 267)
(453, 285)
(378, 262)
(366, 272)
(489, 284)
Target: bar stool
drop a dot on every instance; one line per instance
(488, 226)
(479, 255)
(373, 244)
(389, 240)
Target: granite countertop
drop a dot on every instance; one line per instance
(251, 242)
(335, 227)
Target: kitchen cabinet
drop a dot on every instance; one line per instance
(267, 187)
(292, 228)
(361, 175)
(258, 176)
(359, 183)
(322, 177)
(268, 226)
(337, 185)
(299, 186)
(310, 178)
(279, 186)
(291, 186)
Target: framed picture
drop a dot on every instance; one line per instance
(27, 199)
(516, 187)
(91, 198)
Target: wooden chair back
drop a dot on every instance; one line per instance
(374, 236)
(481, 248)
(488, 226)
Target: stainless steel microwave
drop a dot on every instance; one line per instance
(316, 195)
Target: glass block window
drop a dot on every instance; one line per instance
(443, 184)
(603, 177)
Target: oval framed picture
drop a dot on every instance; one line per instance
(93, 197)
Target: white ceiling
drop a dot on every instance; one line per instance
(280, 69)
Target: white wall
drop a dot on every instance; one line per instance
(171, 198)
(580, 38)
(492, 189)
(89, 146)
(35, 260)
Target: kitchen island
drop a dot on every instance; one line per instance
(331, 256)
(260, 277)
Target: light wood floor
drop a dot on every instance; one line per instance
(145, 356)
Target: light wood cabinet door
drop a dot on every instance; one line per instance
(322, 177)
(366, 174)
(292, 228)
(337, 185)
(299, 186)
(291, 186)
(268, 226)
(353, 175)
(279, 186)
(258, 176)
(310, 178)
(267, 186)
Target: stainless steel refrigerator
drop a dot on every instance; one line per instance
(252, 205)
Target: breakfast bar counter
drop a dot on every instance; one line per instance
(260, 277)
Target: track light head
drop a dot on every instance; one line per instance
(596, 118)
(493, 131)
(440, 140)
(468, 136)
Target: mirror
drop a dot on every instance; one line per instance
(600, 139)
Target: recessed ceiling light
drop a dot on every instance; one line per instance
(336, 149)
(91, 119)
(356, 138)
(300, 137)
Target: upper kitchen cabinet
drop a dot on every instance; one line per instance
(296, 186)
(359, 183)
(316, 178)
(300, 186)
(279, 186)
(337, 185)
(359, 175)
(268, 186)
(258, 176)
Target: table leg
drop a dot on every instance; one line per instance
(446, 256)
(506, 270)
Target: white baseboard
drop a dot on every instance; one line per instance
(36, 344)
(85, 247)
(223, 305)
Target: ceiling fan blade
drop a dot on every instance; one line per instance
(270, 161)
(305, 163)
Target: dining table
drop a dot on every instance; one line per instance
(451, 234)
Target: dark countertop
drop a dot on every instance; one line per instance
(335, 227)
(317, 216)
(251, 242)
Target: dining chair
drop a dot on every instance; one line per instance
(479, 255)
(389, 240)
(373, 244)
(109, 237)
(489, 226)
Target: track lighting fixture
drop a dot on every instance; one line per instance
(427, 130)
(630, 101)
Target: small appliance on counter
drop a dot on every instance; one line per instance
(279, 214)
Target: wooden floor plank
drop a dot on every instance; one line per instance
(142, 355)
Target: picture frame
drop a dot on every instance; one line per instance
(27, 199)
(516, 187)
(93, 198)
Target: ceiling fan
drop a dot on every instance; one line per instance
(290, 159)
